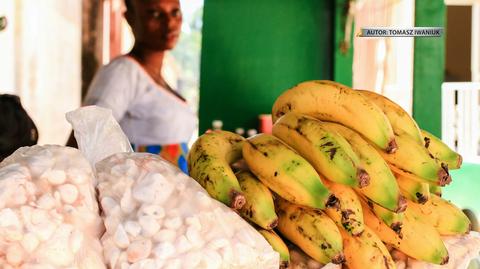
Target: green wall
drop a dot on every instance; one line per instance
(343, 58)
(429, 66)
(254, 50)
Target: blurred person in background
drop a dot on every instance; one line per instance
(152, 114)
(17, 129)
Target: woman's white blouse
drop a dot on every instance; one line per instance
(147, 113)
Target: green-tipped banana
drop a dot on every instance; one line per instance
(401, 121)
(366, 251)
(419, 240)
(278, 245)
(414, 159)
(414, 190)
(331, 101)
(311, 230)
(437, 190)
(441, 151)
(348, 211)
(209, 162)
(259, 207)
(392, 219)
(285, 172)
(383, 188)
(443, 215)
(328, 152)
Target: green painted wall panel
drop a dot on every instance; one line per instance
(253, 50)
(429, 66)
(343, 58)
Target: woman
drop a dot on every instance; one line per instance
(154, 117)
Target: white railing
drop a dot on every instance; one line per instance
(461, 118)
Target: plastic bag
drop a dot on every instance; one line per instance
(158, 217)
(97, 133)
(48, 211)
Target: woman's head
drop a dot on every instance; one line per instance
(156, 24)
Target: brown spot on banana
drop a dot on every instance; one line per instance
(444, 176)
(338, 259)
(332, 201)
(427, 142)
(273, 224)
(284, 264)
(445, 260)
(391, 146)
(237, 199)
(332, 151)
(363, 178)
(328, 144)
(401, 205)
(234, 140)
(422, 199)
(397, 228)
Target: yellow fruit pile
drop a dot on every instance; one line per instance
(345, 174)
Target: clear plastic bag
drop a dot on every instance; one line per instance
(158, 217)
(48, 210)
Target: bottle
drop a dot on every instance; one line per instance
(217, 125)
(265, 123)
(240, 131)
(251, 132)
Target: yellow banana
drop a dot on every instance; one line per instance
(437, 190)
(285, 172)
(278, 245)
(441, 151)
(383, 188)
(401, 121)
(443, 215)
(209, 162)
(417, 191)
(331, 101)
(328, 152)
(311, 230)
(392, 219)
(414, 159)
(259, 207)
(366, 251)
(419, 240)
(348, 211)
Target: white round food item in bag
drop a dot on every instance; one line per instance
(158, 217)
(48, 212)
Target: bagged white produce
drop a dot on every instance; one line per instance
(48, 212)
(156, 216)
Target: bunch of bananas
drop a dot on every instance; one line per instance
(345, 175)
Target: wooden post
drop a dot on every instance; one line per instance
(116, 15)
(92, 32)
